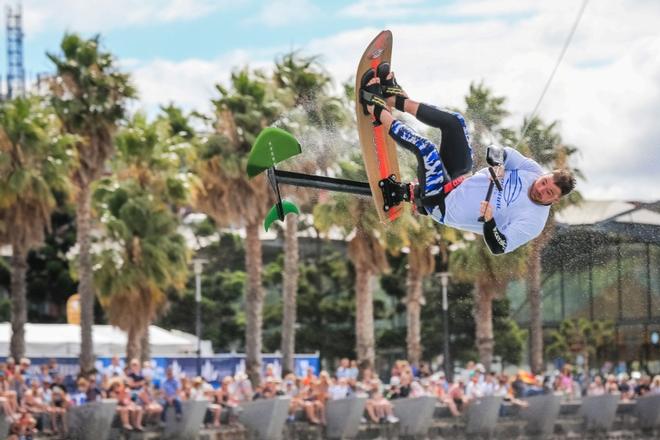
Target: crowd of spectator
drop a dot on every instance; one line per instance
(38, 398)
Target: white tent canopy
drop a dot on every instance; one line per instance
(59, 340)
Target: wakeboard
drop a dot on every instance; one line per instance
(378, 148)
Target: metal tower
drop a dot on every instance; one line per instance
(15, 69)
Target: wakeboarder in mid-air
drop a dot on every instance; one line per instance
(447, 189)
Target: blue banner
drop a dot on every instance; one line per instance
(213, 368)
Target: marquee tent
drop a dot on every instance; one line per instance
(56, 340)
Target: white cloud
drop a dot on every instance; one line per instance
(383, 9)
(102, 15)
(279, 13)
(189, 83)
(606, 94)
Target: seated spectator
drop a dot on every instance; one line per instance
(10, 367)
(353, 371)
(33, 403)
(134, 378)
(196, 391)
(310, 377)
(655, 385)
(227, 398)
(339, 389)
(292, 390)
(171, 395)
(596, 388)
(94, 391)
(24, 369)
(8, 401)
(129, 412)
(213, 409)
(59, 404)
(269, 390)
(44, 375)
(475, 387)
(312, 404)
(149, 403)
(24, 427)
(186, 387)
(457, 394)
(627, 391)
(114, 369)
(378, 408)
(505, 390)
(148, 371)
(80, 396)
(343, 370)
(53, 368)
(643, 386)
(611, 385)
(271, 373)
(440, 389)
(242, 388)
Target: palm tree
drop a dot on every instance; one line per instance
(89, 97)
(544, 144)
(143, 256)
(357, 216)
(475, 263)
(33, 164)
(418, 234)
(580, 337)
(308, 88)
(226, 194)
(143, 253)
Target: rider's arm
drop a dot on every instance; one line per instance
(513, 160)
(494, 238)
(507, 238)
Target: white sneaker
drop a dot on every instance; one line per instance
(363, 420)
(392, 419)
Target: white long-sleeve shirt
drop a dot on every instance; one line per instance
(517, 217)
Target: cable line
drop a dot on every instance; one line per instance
(554, 70)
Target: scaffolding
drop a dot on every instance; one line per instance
(15, 68)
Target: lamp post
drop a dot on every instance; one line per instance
(197, 267)
(449, 370)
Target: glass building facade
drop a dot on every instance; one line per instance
(607, 270)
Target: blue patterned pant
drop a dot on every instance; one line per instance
(430, 172)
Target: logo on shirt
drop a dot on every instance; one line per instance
(511, 191)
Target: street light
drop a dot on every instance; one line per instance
(444, 280)
(197, 267)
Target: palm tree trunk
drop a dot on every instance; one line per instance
(413, 314)
(133, 343)
(535, 306)
(145, 346)
(483, 316)
(18, 301)
(290, 287)
(254, 300)
(85, 284)
(364, 317)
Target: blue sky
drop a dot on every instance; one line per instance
(606, 94)
(249, 25)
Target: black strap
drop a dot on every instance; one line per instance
(399, 102)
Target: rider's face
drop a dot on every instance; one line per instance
(544, 190)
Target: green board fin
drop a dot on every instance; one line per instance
(272, 216)
(273, 145)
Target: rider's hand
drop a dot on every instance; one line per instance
(499, 172)
(486, 210)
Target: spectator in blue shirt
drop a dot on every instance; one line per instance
(171, 387)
